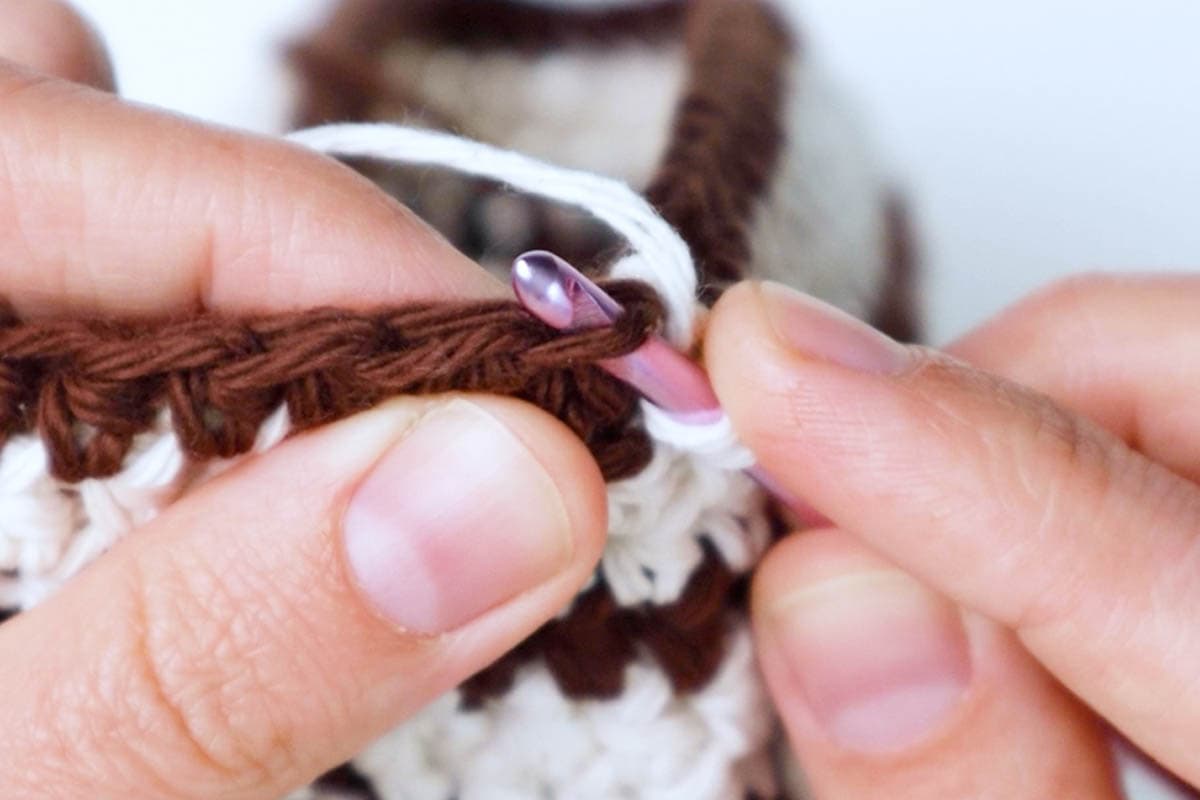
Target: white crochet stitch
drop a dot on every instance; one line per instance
(604, 110)
(534, 742)
(658, 519)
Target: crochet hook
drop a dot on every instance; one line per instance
(565, 299)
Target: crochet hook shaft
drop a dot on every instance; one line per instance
(566, 299)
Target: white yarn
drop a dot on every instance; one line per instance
(715, 443)
(50, 530)
(648, 742)
(659, 255)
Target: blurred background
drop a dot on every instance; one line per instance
(1036, 138)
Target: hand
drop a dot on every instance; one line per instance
(274, 622)
(1007, 568)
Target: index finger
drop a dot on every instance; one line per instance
(1118, 349)
(114, 209)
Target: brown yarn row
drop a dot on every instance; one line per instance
(588, 649)
(89, 387)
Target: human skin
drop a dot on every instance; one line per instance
(1011, 559)
(224, 650)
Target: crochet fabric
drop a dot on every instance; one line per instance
(645, 687)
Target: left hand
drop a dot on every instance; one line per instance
(276, 620)
(1008, 572)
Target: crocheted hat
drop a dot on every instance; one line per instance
(645, 687)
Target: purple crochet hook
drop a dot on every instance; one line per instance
(566, 299)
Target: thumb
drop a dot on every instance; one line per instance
(270, 624)
(988, 493)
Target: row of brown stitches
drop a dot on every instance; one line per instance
(89, 387)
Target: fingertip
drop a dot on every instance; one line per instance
(745, 360)
(860, 656)
(220, 219)
(308, 230)
(887, 689)
(735, 326)
(50, 36)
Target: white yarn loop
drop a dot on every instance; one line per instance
(715, 443)
(660, 257)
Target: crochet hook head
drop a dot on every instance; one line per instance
(566, 299)
(560, 295)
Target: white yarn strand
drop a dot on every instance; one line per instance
(660, 257)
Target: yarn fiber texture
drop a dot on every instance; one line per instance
(670, 147)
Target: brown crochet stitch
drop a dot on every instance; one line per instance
(89, 387)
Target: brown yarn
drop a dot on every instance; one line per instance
(588, 650)
(896, 312)
(89, 387)
(341, 64)
(727, 134)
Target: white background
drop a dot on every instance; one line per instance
(1037, 137)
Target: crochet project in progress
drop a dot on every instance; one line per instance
(667, 147)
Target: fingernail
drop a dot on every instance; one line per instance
(457, 518)
(820, 330)
(880, 660)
